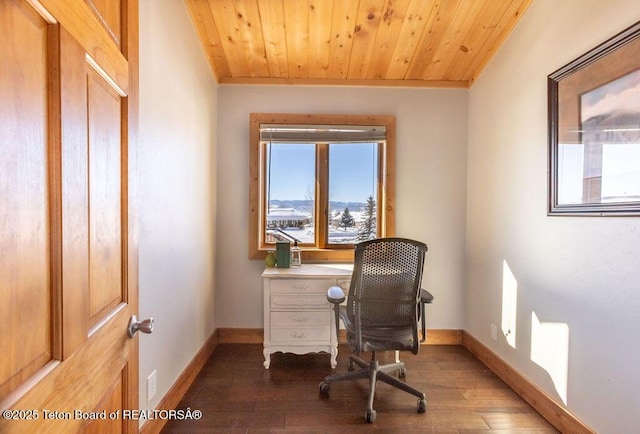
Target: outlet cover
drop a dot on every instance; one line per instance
(151, 385)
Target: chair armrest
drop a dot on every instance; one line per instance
(335, 295)
(426, 296)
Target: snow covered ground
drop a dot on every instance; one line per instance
(336, 235)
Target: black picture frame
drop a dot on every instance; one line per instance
(594, 131)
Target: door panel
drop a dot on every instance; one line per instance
(109, 12)
(109, 405)
(25, 281)
(68, 277)
(105, 257)
(78, 383)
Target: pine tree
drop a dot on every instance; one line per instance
(368, 227)
(347, 219)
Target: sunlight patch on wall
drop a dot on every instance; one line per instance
(550, 350)
(509, 304)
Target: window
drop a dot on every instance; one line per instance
(325, 181)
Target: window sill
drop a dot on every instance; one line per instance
(311, 255)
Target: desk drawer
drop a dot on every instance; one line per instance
(287, 301)
(301, 334)
(301, 286)
(300, 318)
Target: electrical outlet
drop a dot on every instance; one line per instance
(151, 386)
(494, 332)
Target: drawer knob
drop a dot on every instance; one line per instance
(298, 335)
(300, 319)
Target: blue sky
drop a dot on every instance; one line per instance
(352, 171)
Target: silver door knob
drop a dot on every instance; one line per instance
(145, 326)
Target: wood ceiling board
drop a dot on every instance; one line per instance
(464, 19)
(275, 38)
(414, 25)
(429, 43)
(320, 16)
(297, 34)
(509, 19)
(390, 26)
(208, 34)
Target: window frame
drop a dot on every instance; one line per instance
(257, 172)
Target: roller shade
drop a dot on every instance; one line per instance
(322, 133)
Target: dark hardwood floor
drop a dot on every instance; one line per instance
(237, 395)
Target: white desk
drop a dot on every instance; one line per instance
(297, 316)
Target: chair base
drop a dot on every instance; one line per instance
(374, 372)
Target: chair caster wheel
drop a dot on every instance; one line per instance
(422, 405)
(323, 388)
(403, 372)
(370, 416)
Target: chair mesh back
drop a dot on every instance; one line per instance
(385, 284)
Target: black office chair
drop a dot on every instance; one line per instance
(384, 305)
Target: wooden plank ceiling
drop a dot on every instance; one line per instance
(428, 43)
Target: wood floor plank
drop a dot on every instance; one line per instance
(512, 421)
(237, 395)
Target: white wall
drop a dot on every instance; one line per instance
(578, 276)
(430, 184)
(177, 179)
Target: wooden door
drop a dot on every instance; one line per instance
(68, 268)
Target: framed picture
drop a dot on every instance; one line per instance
(594, 130)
